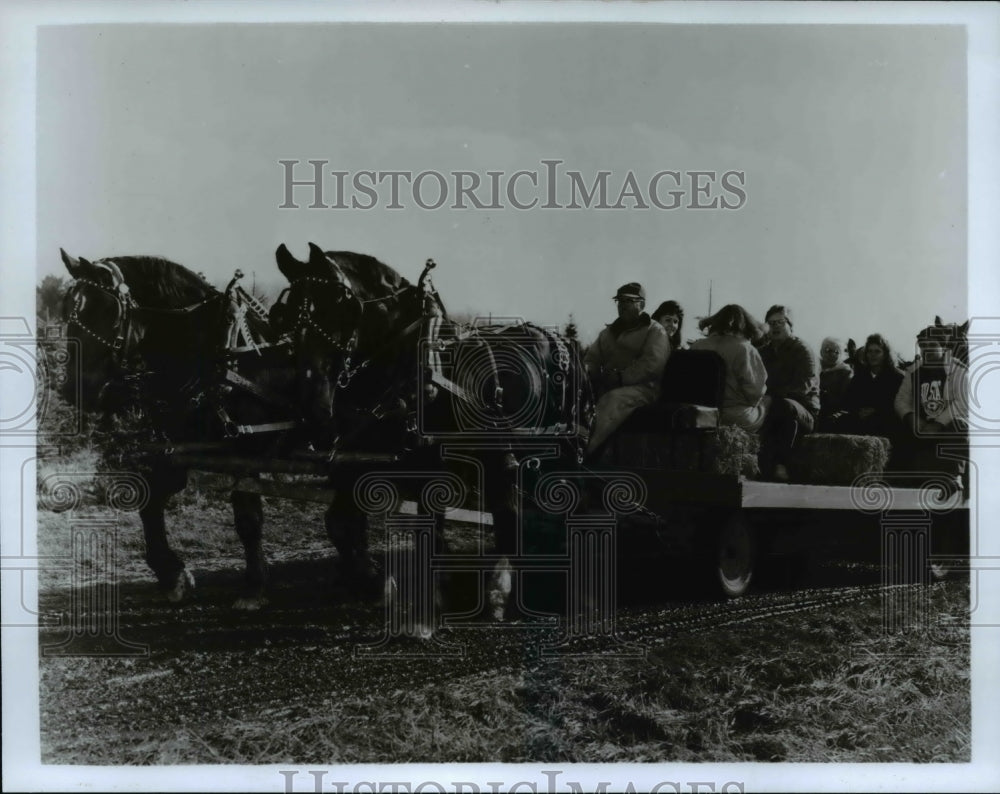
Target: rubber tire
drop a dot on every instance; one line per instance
(735, 555)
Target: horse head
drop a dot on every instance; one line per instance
(99, 312)
(134, 313)
(342, 311)
(946, 340)
(855, 355)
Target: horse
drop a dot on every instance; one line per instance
(151, 337)
(954, 338)
(381, 367)
(855, 355)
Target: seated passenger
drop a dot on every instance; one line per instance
(793, 389)
(868, 408)
(670, 315)
(933, 403)
(834, 378)
(625, 364)
(731, 332)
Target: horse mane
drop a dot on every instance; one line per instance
(158, 283)
(370, 277)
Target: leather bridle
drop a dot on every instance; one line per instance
(120, 339)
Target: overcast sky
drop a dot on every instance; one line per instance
(852, 140)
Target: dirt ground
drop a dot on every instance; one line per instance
(805, 668)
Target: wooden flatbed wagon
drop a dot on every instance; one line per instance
(732, 524)
(727, 524)
(669, 456)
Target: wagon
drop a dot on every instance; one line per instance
(704, 498)
(692, 497)
(722, 526)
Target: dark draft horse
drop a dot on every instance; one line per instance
(382, 368)
(954, 338)
(148, 336)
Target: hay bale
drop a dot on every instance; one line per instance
(735, 452)
(689, 450)
(836, 459)
(722, 450)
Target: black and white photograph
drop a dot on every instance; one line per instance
(495, 397)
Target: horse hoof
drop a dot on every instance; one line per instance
(250, 603)
(183, 588)
(390, 590)
(500, 587)
(421, 631)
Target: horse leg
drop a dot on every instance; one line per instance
(248, 514)
(174, 579)
(501, 500)
(428, 590)
(347, 528)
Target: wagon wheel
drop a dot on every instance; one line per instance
(735, 554)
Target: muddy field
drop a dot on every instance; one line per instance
(801, 670)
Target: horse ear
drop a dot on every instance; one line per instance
(99, 273)
(964, 327)
(316, 254)
(290, 267)
(937, 321)
(72, 265)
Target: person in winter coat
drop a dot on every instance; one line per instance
(670, 315)
(793, 388)
(625, 364)
(731, 332)
(933, 404)
(868, 407)
(834, 379)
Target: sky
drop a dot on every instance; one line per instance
(166, 140)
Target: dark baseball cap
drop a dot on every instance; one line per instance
(631, 290)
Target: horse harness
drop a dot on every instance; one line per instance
(124, 304)
(238, 302)
(428, 322)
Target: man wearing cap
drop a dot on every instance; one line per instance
(626, 363)
(793, 387)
